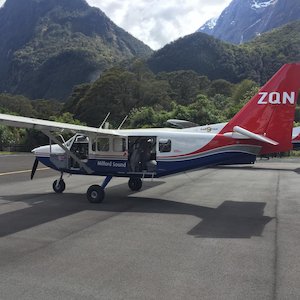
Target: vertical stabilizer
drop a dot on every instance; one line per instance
(271, 111)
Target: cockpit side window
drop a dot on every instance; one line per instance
(82, 139)
(165, 145)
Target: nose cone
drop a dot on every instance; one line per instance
(46, 150)
(41, 151)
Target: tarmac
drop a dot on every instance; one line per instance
(220, 233)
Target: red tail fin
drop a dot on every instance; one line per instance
(271, 112)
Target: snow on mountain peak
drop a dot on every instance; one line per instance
(257, 4)
(242, 20)
(210, 24)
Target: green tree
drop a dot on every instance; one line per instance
(66, 118)
(220, 86)
(203, 111)
(185, 85)
(242, 89)
(7, 136)
(235, 107)
(142, 117)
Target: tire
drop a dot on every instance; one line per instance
(60, 187)
(135, 184)
(95, 194)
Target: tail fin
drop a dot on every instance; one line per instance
(269, 115)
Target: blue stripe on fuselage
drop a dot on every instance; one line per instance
(228, 158)
(118, 168)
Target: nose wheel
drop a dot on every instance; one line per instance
(59, 186)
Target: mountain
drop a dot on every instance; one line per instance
(216, 59)
(48, 46)
(243, 20)
(201, 53)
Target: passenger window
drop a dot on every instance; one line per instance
(119, 145)
(103, 144)
(164, 145)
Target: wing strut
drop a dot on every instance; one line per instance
(122, 123)
(55, 140)
(103, 123)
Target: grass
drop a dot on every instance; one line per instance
(295, 153)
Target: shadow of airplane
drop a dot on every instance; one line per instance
(231, 219)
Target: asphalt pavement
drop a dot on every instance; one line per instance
(218, 233)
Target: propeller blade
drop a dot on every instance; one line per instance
(34, 167)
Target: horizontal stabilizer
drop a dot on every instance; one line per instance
(241, 133)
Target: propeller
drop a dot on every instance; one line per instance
(34, 167)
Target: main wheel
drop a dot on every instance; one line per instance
(95, 194)
(135, 183)
(59, 186)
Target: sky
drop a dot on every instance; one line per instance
(157, 22)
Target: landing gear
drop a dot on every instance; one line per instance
(95, 194)
(59, 186)
(135, 183)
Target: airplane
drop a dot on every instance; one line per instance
(262, 126)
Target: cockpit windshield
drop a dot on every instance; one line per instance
(69, 142)
(78, 138)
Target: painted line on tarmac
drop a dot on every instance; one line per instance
(21, 172)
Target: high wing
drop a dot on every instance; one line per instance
(48, 126)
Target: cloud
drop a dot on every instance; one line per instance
(157, 22)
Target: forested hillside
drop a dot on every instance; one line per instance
(48, 46)
(275, 48)
(21, 105)
(151, 99)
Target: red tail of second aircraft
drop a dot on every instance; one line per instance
(268, 117)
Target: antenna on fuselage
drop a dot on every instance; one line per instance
(104, 121)
(122, 123)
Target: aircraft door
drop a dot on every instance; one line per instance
(142, 154)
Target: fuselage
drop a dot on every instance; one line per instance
(148, 152)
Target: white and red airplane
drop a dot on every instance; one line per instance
(264, 125)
